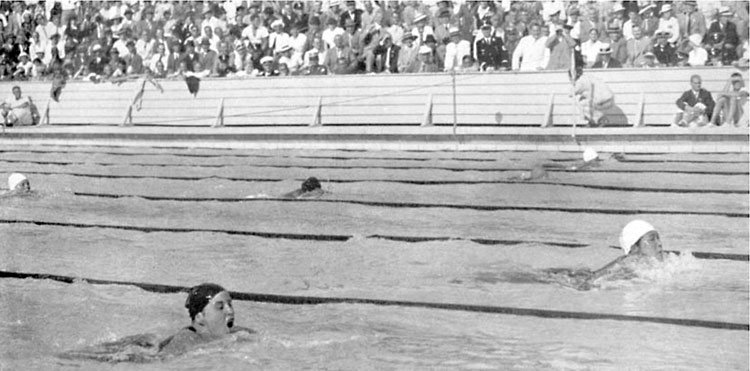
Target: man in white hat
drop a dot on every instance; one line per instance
(668, 23)
(605, 58)
(723, 24)
(426, 60)
(23, 68)
(456, 49)
(664, 51)
(421, 29)
(278, 39)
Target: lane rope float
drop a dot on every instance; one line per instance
(317, 300)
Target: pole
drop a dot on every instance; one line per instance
(453, 83)
(576, 115)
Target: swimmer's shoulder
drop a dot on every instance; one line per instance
(180, 342)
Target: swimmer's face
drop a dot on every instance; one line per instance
(217, 318)
(24, 186)
(650, 244)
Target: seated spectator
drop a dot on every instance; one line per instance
(618, 44)
(268, 70)
(724, 26)
(715, 49)
(590, 49)
(697, 56)
(593, 97)
(468, 65)
(696, 105)
(456, 50)
(23, 68)
(425, 60)
(340, 59)
(605, 58)
(664, 51)
(637, 47)
(386, 54)
(731, 102)
(649, 60)
(313, 68)
(668, 23)
(407, 57)
(17, 110)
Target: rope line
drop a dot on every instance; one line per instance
(428, 205)
(342, 167)
(318, 300)
(343, 238)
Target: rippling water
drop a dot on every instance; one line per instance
(39, 320)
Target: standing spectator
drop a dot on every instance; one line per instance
(161, 55)
(407, 57)
(531, 54)
(669, 23)
(133, 59)
(590, 49)
(696, 105)
(691, 21)
(634, 19)
(351, 14)
(442, 28)
(387, 54)
(724, 26)
(605, 58)
(637, 47)
(650, 22)
(561, 48)
(698, 56)
(278, 39)
(491, 52)
(456, 49)
(664, 51)
(421, 29)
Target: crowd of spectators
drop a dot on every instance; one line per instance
(105, 40)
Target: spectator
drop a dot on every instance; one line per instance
(437, 53)
(731, 102)
(696, 105)
(278, 39)
(650, 22)
(594, 97)
(385, 55)
(351, 14)
(561, 49)
(590, 49)
(456, 50)
(617, 17)
(17, 110)
(208, 58)
(724, 26)
(190, 56)
(340, 59)
(407, 57)
(605, 58)
(421, 30)
(669, 24)
(697, 55)
(23, 69)
(256, 33)
(649, 60)
(319, 48)
(634, 19)
(664, 51)
(618, 45)
(330, 33)
(268, 70)
(691, 21)
(314, 68)
(467, 64)
(490, 51)
(443, 26)
(133, 60)
(637, 47)
(531, 54)
(425, 60)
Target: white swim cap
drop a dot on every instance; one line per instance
(633, 232)
(14, 180)
(589, 155)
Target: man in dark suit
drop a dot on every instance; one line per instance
(351, 14)
(696, 104)
(491, 51)
(725, 26)
(388, 55)
(605, 59)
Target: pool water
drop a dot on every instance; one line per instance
(92, 207)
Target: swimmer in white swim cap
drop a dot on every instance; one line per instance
(640, 242)
(590, 159)
(17, 184)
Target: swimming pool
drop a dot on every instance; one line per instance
(443, 227)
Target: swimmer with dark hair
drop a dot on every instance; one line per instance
(18, 184)
(212, 317)
(310, 189)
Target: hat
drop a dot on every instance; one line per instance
(486, 26)
(199, 296)
(15, 179)
(574, 11)
(430, 39)
(589, 154)
(665, 8)
(725, 10)
(454, 31)
(695, 39)
(312, 54)
(408, 36)
(23, 54)
(663, 32)
(424, 49)
(445, 13)
(605, 49)
(617, 8)
(285, 48)
(736, 78)
(649, 55)
(633, 232)
(266, 59)
(189, 43)
(420, 18)
(690, 2)
(277, 22)
(205, 42)
(334, 3)
(646, 9)
(613, 29)
(128, 11)
(96, 47)
(567, 26)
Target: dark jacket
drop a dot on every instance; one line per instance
(689, 99)
(613, 63)
(381, 50)
(729, 31)
(492, 53)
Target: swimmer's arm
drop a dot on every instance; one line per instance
(242, 329)
(601, 272)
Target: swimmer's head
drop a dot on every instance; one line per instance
(19, 182)
(210, 308)
(310, 184)
(632, 234)
(589, 155)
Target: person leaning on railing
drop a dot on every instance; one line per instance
(731, 106)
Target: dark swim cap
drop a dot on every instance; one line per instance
(310, 184)
(199, 296)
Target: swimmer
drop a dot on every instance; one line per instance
(18, 184)
(536, 172)
(310, 189)
(212, 317)
(641, 244)
(590, 159)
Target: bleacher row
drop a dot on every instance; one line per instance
(643, 97)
